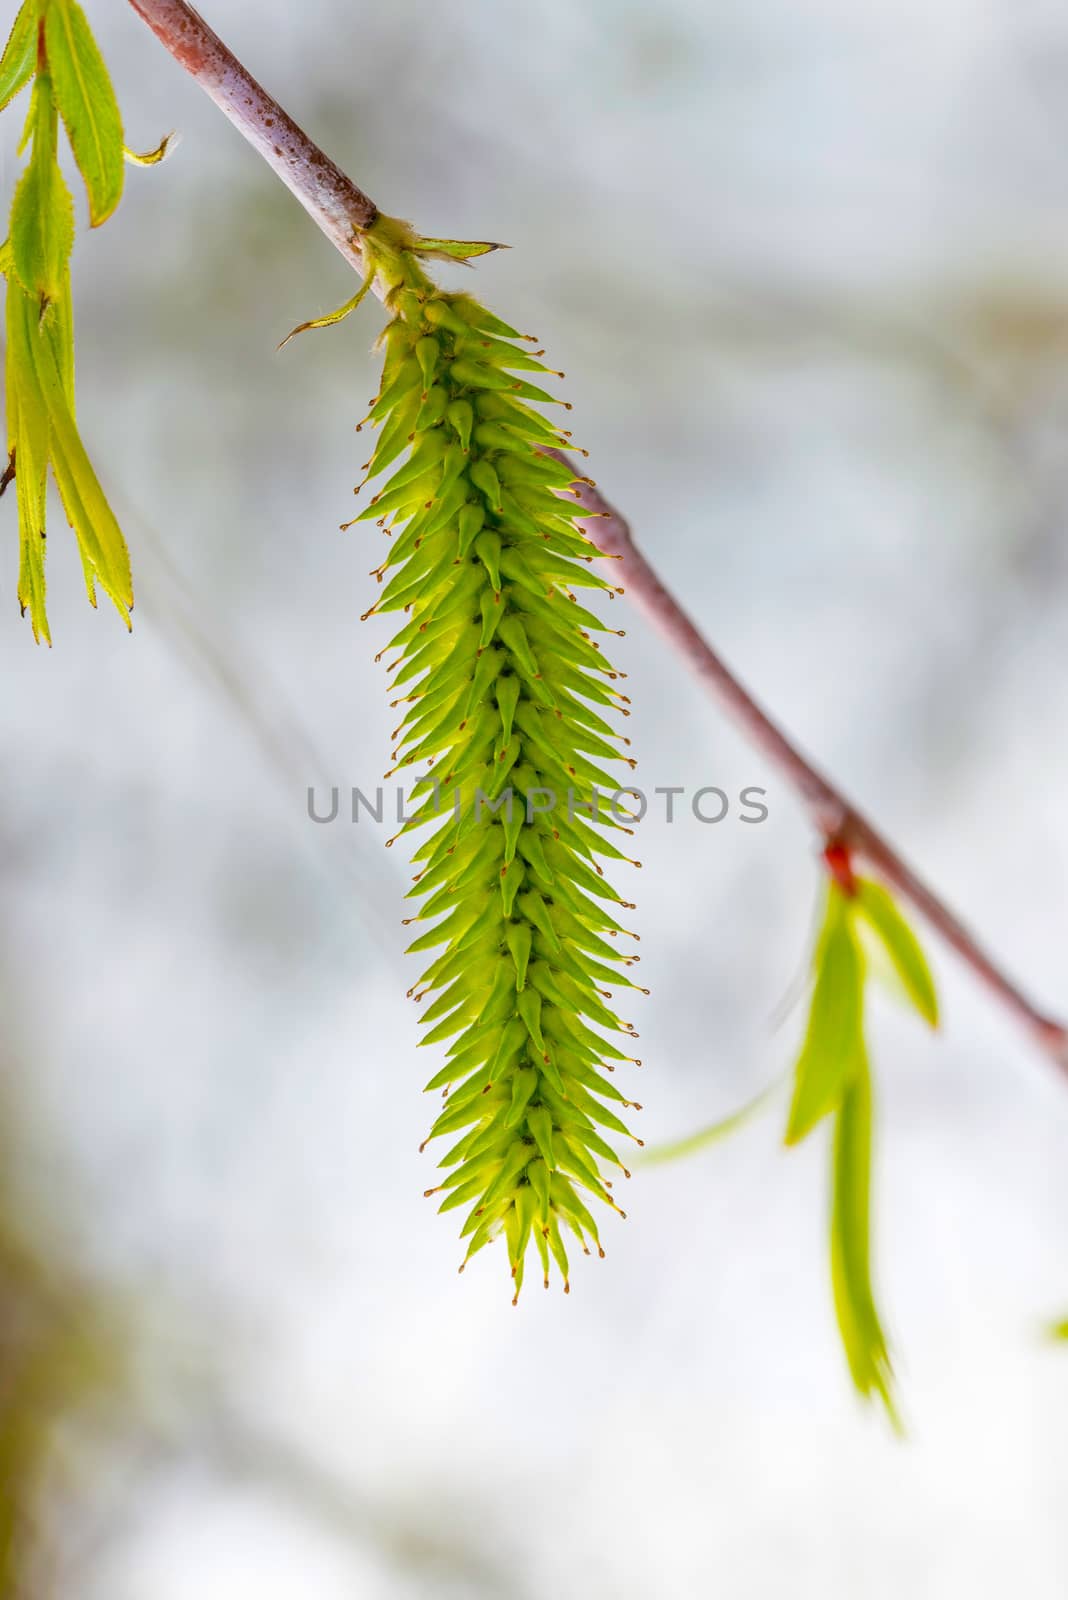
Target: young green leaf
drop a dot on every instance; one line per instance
(43, 387)
(57, 330)
(151, 158)
(71, 81)
(331, 317)
(833, 1037)
(854, 1299)
(100, 540)
(27, 424)
(713, 1133)
(878, 909)
(87, 104)
(42, 215)
(454, 249)
(19, 59)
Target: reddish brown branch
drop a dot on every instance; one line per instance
(835, 818)
(341, 210)
(333, 201)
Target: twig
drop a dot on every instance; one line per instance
(341, 210)
(840, 825)
(330, 198)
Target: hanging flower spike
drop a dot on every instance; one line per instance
(509, 700)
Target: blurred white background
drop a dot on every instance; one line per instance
(806, 267)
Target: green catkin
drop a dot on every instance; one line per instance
(499, 677)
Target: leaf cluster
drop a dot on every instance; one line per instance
(51, 50)
(862, 929)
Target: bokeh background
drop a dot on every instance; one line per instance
(806, 266)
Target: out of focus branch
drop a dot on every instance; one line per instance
(341, 210)
(840, 825)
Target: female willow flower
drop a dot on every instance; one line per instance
(509, 697)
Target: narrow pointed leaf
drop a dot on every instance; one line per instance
(28, 437)
(833, 1035)
(713, 1133)
(19, 59)
(455, 249)
(879, 910)
(151, 158)
(86, 102)
(42, 215)
(331, 317)
(854, 1298)
(88, 512)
